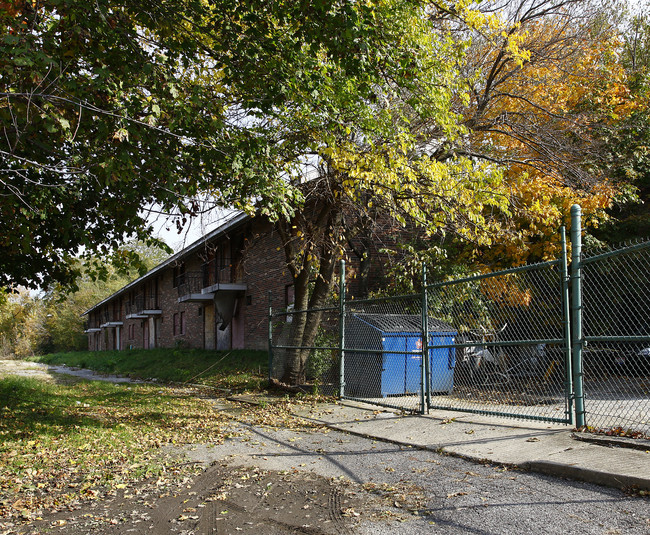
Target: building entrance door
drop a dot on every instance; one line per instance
(209, 327)
(118, 339)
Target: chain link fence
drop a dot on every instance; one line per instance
(511, 354)
(491, 344)
(616, 338)
(496, 344)
(305, 348)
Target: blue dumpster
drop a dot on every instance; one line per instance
(389, 357)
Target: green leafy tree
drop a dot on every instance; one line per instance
(627, 141)
(371, 143)
(108, 107)
(51, 320)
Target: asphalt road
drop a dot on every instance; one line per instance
(425, 492)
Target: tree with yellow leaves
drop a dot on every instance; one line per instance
(535, 109)
(372, 145)
(483, 140)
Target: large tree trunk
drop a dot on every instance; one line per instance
(305, 325)
(294, 368)
(319, 296)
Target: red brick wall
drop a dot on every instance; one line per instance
(262, 269)
(168, 302)
(133, 330)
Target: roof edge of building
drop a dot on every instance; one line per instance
(236, 220)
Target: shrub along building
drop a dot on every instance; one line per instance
(214, 294)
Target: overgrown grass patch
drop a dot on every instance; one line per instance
(64, 442)
(238, 370)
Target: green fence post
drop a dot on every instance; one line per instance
(566, 311)
(426, 371)
(342, 329)
(270, 336)
(576, 315)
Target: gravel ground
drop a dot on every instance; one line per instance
(422, 491)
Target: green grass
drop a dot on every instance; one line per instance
(68, 439)
(71, 439)
(237, 370)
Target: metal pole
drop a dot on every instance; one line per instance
(342, 329)
(566, 311)
(576, 315)
(426, 371)
(270, 336)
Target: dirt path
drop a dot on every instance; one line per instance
(45, 372)
(276, 480)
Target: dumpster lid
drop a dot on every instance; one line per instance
(398, 323)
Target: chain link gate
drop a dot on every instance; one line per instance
(614, 338)
(512, 355)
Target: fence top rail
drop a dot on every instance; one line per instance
(513, 343)
(285, 312)
(382, 299)
(528, 267)
(617, 252)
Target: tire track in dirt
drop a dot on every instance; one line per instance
(223, 500)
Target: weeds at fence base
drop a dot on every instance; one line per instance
(614, 432)
(622, 432)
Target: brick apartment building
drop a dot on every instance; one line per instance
(213, 294)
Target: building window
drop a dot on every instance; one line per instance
(179, 275)
(179, 323)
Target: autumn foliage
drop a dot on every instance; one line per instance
(535, 107)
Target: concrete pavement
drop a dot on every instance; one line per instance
(547, 448)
